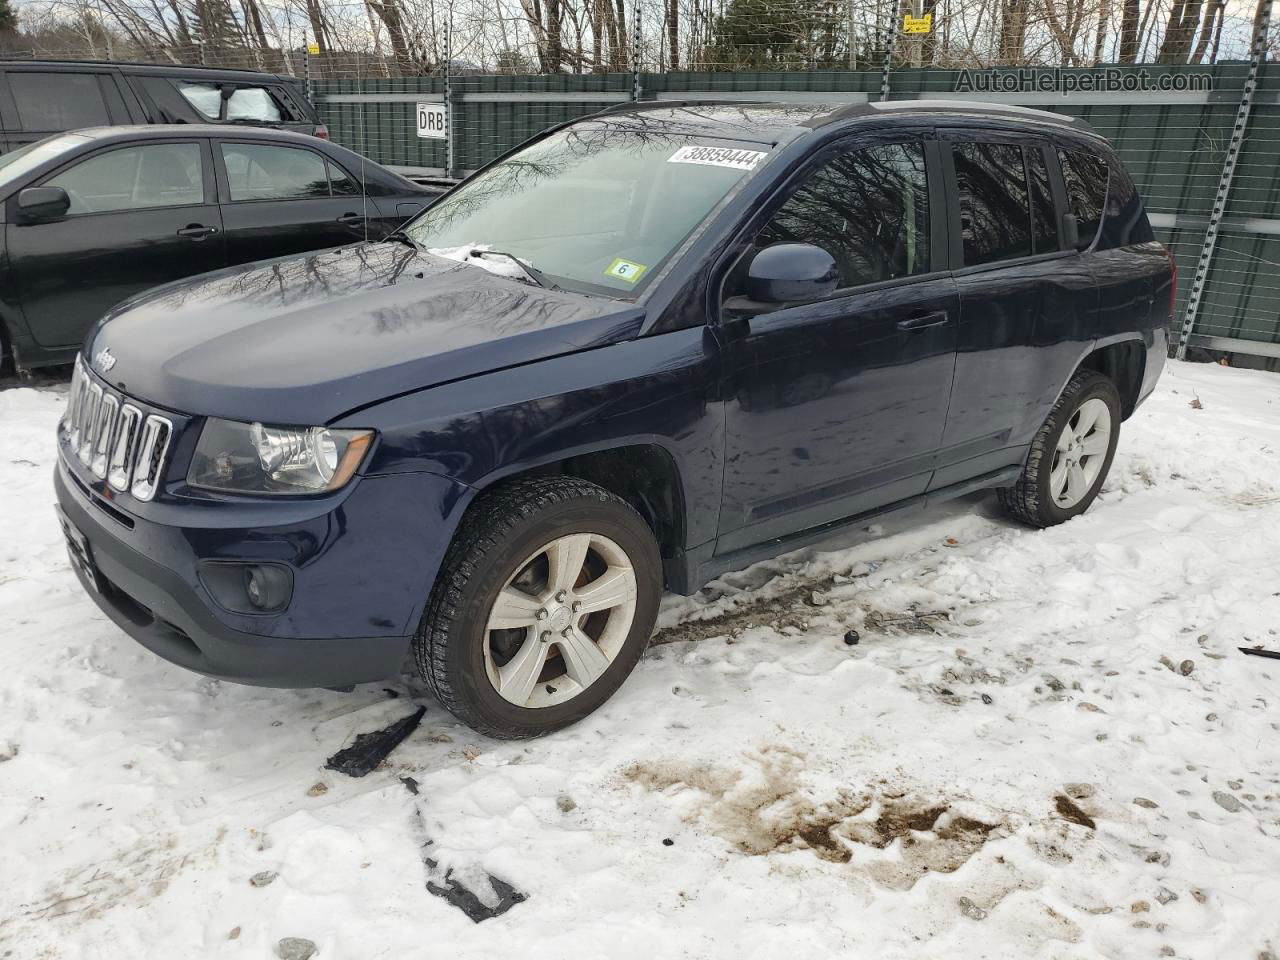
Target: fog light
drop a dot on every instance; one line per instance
(253, 587)
(248, 587)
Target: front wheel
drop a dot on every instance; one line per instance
(542, 607)
(1070, 455)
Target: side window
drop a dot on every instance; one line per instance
(252, 103)
(1044, 218)
(205, 97)
(260, 172)
(868, 208)
(340, 184)
(1125, 221)
(135, 178)
(995, 211)
(1086, 179)
(58, 101)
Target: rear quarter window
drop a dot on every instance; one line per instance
(1124, 222)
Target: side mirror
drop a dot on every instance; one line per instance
(1070, 231)
(792, 273)
(41, 204)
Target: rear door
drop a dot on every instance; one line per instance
(39, 101)
(141, 214)
(1026, 302)
(279, 199)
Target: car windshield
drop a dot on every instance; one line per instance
(593, 208)
(18, 162)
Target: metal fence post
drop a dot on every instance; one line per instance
(306, 70)
(1256, 55)
(889, 37)
(637, 88)
(450, 158)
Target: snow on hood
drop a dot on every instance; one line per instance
(474, 254)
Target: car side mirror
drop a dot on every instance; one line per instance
(1070, 231)
(41, 204)
(791, 273)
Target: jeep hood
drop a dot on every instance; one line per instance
(305, 339)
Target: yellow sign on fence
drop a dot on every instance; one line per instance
(912, 24)
(313, 49)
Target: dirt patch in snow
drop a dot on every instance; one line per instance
(763, 808)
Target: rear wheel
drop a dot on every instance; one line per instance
(544, 604)
(1070, 455)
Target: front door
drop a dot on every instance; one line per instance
(279, 200)
(838, 406)
(140, 215)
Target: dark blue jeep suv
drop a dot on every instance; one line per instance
(637, 352)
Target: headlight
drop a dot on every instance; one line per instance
(254, 458)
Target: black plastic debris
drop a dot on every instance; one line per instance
(410, 784)
(466, 901)
(1274, 655)
(370, 749)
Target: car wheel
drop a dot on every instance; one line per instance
(1070, 455)
(543, 605)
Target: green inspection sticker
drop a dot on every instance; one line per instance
(628, 271)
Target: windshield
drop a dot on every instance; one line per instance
(18, 162)
(594, 208)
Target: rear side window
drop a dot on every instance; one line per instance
(260, 172)
(135, 178)
(205, 97)
(1044, 219)
(868, 208)
(1086, 179)
(1125, 221)
(995, 210)
(58, 101)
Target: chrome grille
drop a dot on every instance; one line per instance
(113, 438)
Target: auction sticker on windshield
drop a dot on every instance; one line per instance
(626, 270)
(718, 157)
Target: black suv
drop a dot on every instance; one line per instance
(642, 350)
(39, 98)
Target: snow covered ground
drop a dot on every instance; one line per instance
(1046, 744)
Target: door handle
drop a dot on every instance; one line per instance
(920, 321)
(351, 219)
(197, 231)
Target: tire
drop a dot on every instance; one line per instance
(515, 541)
(1038, 498)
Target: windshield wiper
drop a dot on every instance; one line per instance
(399, 236)
(530, 271)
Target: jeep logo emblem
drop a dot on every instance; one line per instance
(103, 360)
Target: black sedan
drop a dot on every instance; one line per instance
(94, 216)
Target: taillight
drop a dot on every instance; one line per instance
(322, 131)
(1173, 282)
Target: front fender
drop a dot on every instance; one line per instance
(656, 390)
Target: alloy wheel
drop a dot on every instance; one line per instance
(560, 620)
(1080, 454)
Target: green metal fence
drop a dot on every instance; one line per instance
(1173, 127)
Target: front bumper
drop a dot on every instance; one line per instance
(165, 607)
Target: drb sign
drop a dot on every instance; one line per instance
(431, 121)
